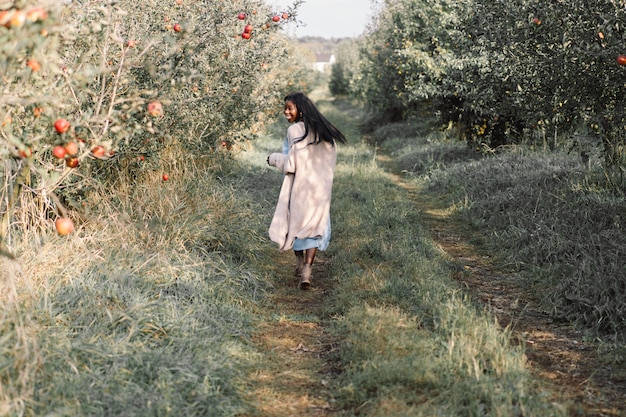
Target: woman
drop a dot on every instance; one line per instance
(302, 218)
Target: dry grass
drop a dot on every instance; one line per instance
(145, 309)
(408, 340)
(159, 305)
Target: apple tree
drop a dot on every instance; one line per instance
(344, 73)
(220, 74)
(502, 72)
(545, 71)
(406, 54)
(89, 86)
(547, 64)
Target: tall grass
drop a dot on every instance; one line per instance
(414, 342)
(558, 224)
(146, 310)
(549, 214)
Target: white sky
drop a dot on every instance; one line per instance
(329, 18)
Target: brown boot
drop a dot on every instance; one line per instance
(305, 280)
(299, 266)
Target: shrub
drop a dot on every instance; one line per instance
(501, 73)
(130, 78)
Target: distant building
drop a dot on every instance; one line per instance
(323, 62)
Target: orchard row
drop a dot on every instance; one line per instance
(502, 72)
(87, 85)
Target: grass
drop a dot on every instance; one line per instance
(553, 218)
(411, 342)
(147, 310)
(153, 307)
(414, 343)
(557, 223)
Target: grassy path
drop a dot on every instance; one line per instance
(554, 351)
(295, 379)
(385, 330)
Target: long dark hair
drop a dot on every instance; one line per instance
(314, 121)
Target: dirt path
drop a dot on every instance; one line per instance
(556, 352)
(294, 379)
(295, 382)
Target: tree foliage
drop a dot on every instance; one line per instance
(131, 78)
(501, 71)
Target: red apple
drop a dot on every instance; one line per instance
(276, 18)
(25, 153)
(245, 35)
(64, 226)
(621, 59)
(17, 20)
(71, 148)
(131, 43)
(98, 151)
(4, 17)
(72, 162)
(36, 14)
(285, 15)
(155, 109)
(61, 126)
(247, 29)
(177, 27)
(33, 65)
(166, 177)
(241, 16)
(537, 21)
(59, 152)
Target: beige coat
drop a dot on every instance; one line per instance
(303, 208)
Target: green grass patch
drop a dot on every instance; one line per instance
(414, 342)
(557, 223)
(551, 217)
(147, 310)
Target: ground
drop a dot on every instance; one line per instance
(296, 384)
(555, 351)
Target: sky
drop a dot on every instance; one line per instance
(329, 18)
